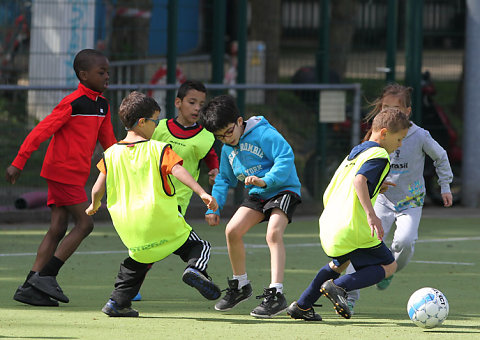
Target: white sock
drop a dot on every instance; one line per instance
(242, 280)
(278, 286)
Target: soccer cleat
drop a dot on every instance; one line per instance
(112, 309)
(273, 304)
(296, 312)
(137, 297)
(48, 285)
(338, 296)
(34, 297)
(194, 278)
(234, 296)
(382, 285)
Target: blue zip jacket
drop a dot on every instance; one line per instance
(263, 152)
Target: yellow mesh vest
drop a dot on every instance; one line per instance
(343, 223)
(145, 216)
(192, 150)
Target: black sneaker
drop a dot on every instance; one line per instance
(194, 278)
(111, 308)
(338, 296)
(273, 304)
(234, 296)
(48, 285)
(34, 297)
(296, 312)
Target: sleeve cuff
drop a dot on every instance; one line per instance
(209, 211)
(444, 188)
(19, 162)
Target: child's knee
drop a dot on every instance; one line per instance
(232, 233)
(390, 269)
(86, 226)
(274, 237)
(399, 245)
(338, 269)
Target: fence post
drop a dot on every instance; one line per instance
(413, 57)
(218, 43)
(172, 30)
(241, 71)
(322, 69)
(392, 24)
(242, 53)
(471, 118)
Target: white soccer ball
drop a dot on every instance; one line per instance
(427, 307)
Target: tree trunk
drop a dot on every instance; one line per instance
(342, 26)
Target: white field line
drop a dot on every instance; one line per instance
(221, 250)
(440, 262)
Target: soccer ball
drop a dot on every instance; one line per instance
(427, 307)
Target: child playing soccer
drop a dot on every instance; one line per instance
(403, 202)
(189, 139)
(257, 155)
(76, 123)
(350, 231)
(141, 200)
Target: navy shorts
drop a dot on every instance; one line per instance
(364, 257)
(286, 201)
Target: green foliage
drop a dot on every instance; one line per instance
(295, 119)
(14, 128)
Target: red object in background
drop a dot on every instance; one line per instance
(160, 77)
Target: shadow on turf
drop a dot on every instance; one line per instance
(35, 337)
(231, 320)
(281, 320)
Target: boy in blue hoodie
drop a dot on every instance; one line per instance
(255, 153)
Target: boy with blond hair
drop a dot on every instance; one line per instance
(350, 231)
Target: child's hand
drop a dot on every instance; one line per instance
(447, 199)
(92, 209)
(212, 174)
(212, 219)
(386, 185)
(12, 174)
(375, 226)
(210, 201)
(254, 180)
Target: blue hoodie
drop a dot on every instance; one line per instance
(263, 152)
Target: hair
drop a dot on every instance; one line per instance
(85, 60)
(393, 89)
(219, 112)
(190, 85)
(392, 119)
(135, 106)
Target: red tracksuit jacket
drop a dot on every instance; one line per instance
(76, 123)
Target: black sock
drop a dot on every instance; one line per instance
(52, 267)
(26, 284)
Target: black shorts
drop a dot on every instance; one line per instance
(364, 257)
(286, 201)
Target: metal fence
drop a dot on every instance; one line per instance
(296, 116)
(39, 39)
